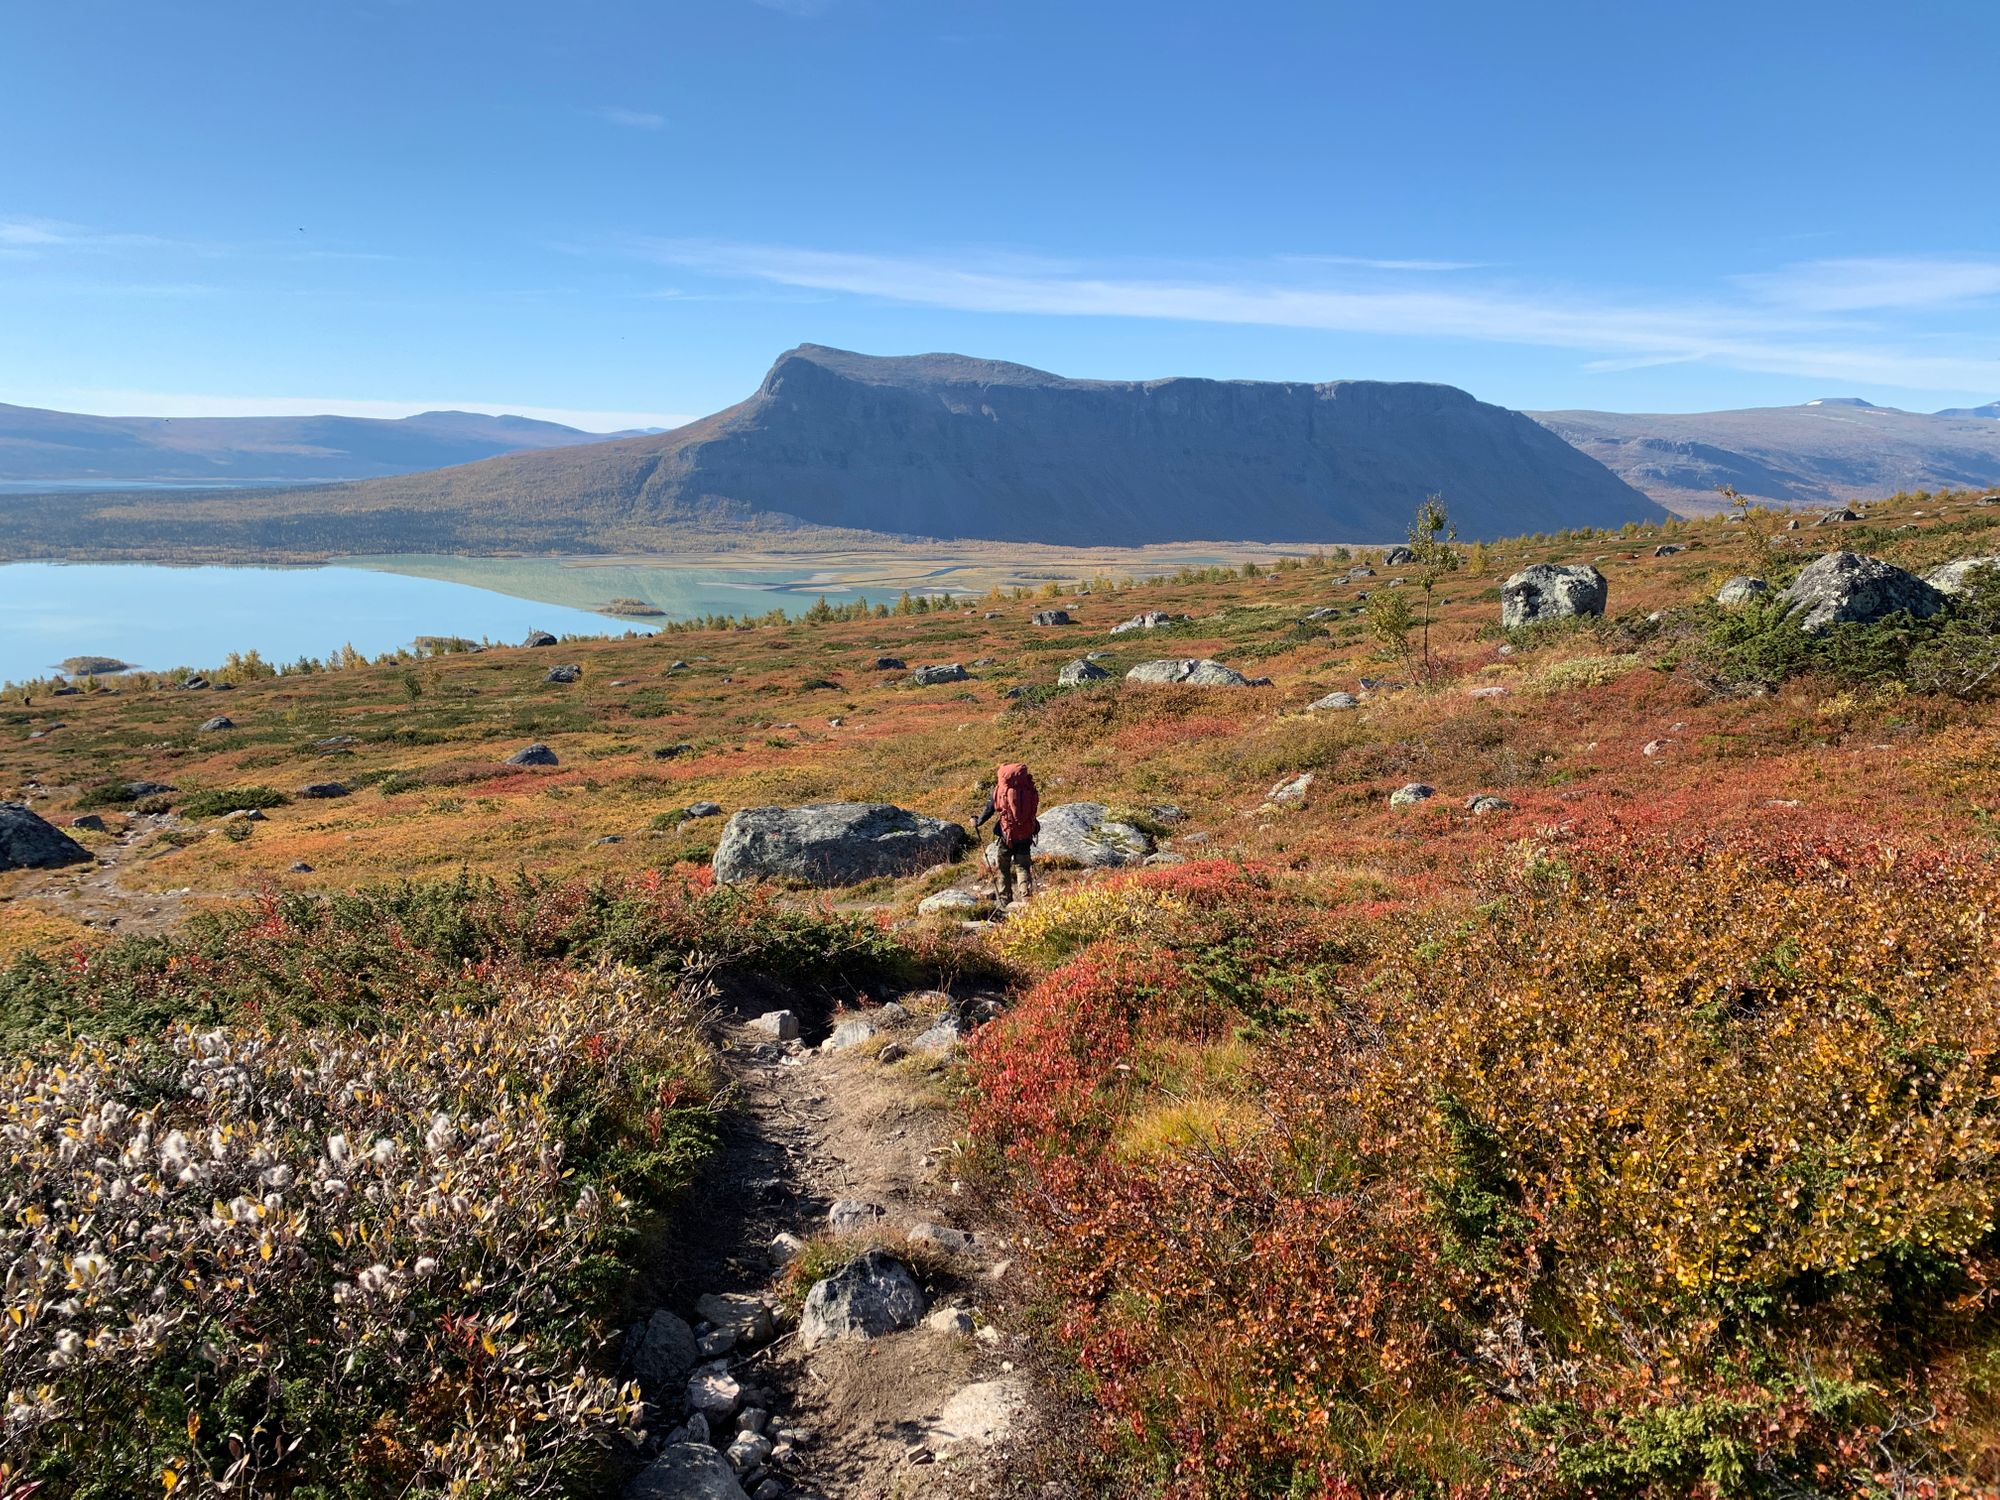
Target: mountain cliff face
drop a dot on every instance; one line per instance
(945, 446)
(60, 447)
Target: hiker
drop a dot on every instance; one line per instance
(1015, 802)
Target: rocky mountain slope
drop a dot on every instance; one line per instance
(944, 446)
(60, 447)
(1815, 454)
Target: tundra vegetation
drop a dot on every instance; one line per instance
(1629, 1132)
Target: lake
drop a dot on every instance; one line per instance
(159, 617)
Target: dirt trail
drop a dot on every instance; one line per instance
(932, 1410)
(96, 895)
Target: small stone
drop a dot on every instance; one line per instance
(300, 868)
(322, 791)
(219, 722)
(752, 1419)
(1484, 803)
(1291, 793)
(950, 1320)
(779, 1024)
(852, 1216)
(848, 1034)
(1333, 702)
(1411, 795)
(745, 1316)
(940, 1236)
(714, 1394)
(949, 901)
(716, 1343)
(933, 676)
(702, 810)
(747, 1450)
(567, 673)
(785, 1248)
(536, 754)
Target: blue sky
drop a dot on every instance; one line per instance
(616, 212)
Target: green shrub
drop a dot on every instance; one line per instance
(215, 802)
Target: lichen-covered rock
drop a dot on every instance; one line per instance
(1740, 590)
(1080, 672)
(1050, 617)
(1844, 588)
(1150, 619)
(30, 842)
(872, 1295)
(833, 843)
(1085, 833)
(1195, 672)
(1333, 703)
(1956, 577)
(1551, 591)
(1411, 795)
(932, 676)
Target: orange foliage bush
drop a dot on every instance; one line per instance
(1669, 1169)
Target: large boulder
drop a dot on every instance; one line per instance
(1150, 619)
(1084, 833)
(1551, 591)
(1956, 577)
(932, 676)
(1398, 557)
(1050, 617)
(834, 843)
(1197, 673)
(1080, 671)
(686, 1471)
(1846, 588)
(539, 638)
(29, 842)
(872, 1295)
(536, 754)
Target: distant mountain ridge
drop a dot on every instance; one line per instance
(946, 446)
(59, 447)
(1823, 452)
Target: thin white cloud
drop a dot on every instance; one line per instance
(37, 236)
(1877, 284)
(631, 119)
(119, 403)
(1741, 335)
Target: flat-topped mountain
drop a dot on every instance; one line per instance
(60, 447)
(939, 445)
(1823, 452)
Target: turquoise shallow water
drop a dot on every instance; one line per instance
(160, 617)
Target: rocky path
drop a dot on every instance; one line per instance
(891, 1380)
(96, 894)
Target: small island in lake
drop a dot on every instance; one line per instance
(95, 666)
(637, 607)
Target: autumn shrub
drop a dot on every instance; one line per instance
(1668, 1170)
(262, 1260)
(373, 956)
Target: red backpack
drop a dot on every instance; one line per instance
(1017, 802)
